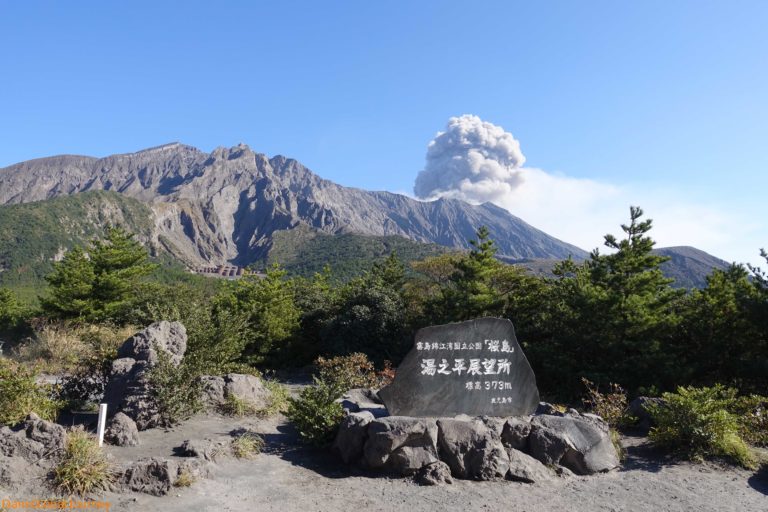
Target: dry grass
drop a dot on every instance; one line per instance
(237, 407)
(278, 400)
(84, 468)
(59, 347)
(247, 445)
(21, 395)
(185, 479)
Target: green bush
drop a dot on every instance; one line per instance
(278, 399)
(89, 378)
(316, 414)
(695, 423)
(84, 468)
(175, 389)
(21, 395)
(752, 411)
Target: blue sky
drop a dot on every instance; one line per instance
(662, 104)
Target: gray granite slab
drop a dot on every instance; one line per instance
(475, 367)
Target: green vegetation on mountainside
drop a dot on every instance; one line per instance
(303, 252)
(33, 234)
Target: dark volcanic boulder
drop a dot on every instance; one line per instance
(359, 399)
(36, 439)
(524, 468)
(472, 450)
(581, 445)
(51, 435)
(401, 444)
(151, 476)
(170, 337)
(128, 389)
(515, 433)
(122, 431)
(244, 387)
(437, 473)
(353, 432)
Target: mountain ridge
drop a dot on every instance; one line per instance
(224, 206)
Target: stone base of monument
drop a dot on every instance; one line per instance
(528, 449)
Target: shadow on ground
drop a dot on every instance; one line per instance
(641, 455)
(287, 445)
(759, 481)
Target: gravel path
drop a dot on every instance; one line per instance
(290, 478)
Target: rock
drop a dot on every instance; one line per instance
(212, 390)
(195, 468)
(547, 408)
(596, 420)
(548, 446)
(493, 423)
(170, 337)
(578, 444)
(357, 400)
(16, 444)
(516, 432)
(639, 408)
(14, 471)
(472, 450)
(432, 380)
(51, 435)
(205, 449)
(122, 431)
(21, 477)
(524, 468)
(151, 476)
(128, 389)
(437, 473)
(353, 432)
(401, 444)
(248, 388)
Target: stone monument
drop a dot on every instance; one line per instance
(475, 368)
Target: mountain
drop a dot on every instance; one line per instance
(227, 206)
(689, 266)
(33, 235)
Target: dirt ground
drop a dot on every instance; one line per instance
(288, 477)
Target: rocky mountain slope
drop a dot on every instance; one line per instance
(226, 206)
(689, 266)
(237, 206)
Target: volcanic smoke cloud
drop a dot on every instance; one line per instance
(478, 162)
(471, 160)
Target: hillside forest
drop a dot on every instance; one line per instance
(612, 319)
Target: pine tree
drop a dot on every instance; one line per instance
(610, 319)
(100, 285)
(272, 316)
(71, 287)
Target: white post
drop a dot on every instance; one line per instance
(102, 423)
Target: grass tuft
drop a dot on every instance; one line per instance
(247, 445)
(84, 467)
(278, 401)
(185, 479)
